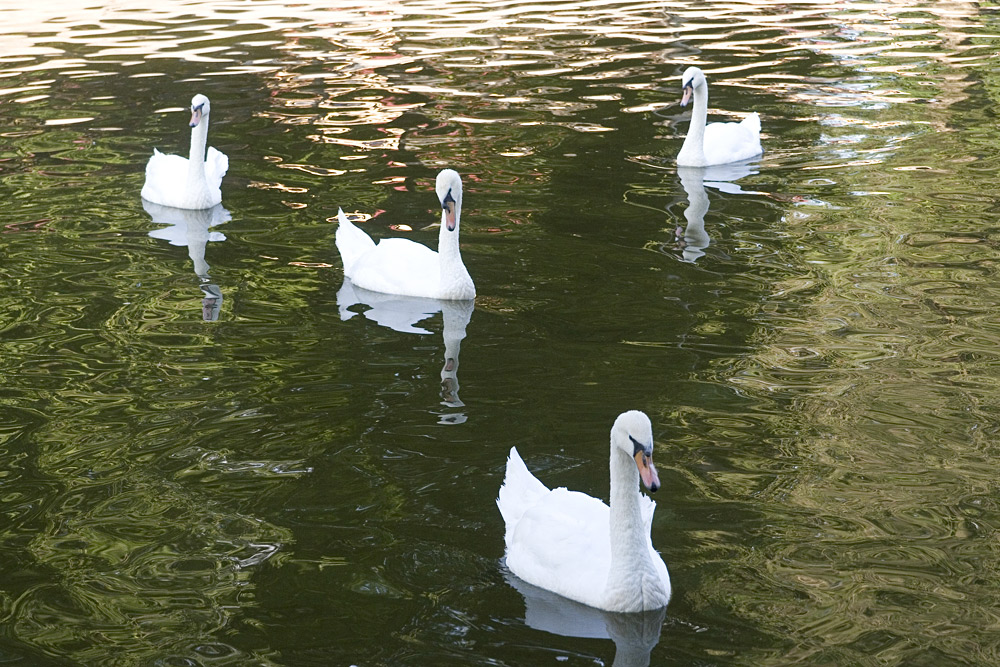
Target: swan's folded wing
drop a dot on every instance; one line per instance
(164, 173)
(562, 544)
(216, 166)
(520, 490)
(732, 142)
(647, 508)
(352, 242)
(397, 266)
(751, 123)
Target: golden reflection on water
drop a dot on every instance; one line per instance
(574, 40)
(469, 63)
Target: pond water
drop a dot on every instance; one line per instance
(210, 454)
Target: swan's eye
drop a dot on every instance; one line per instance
(197, 108)
(639, 447)
(447, 200)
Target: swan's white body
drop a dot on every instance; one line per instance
(402, 266)
(715, 143)
(193, 182)
(574, 545)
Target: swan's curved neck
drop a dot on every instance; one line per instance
(627, 539)
(447, 240)
(199, 140)
(455, 280)
(633, 583)
(693, 150)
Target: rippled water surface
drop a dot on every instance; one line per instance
(212, 453)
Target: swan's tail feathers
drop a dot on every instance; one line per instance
(352, 242)
(216, 165)
(153, 163)
(164, 173)
(752, 123)
(520, 491)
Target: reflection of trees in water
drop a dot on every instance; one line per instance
(135, 562)
(869, 483)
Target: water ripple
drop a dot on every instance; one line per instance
(274, 486)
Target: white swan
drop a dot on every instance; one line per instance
(572, 544)
(402, 266)
(193, 182)
(716, 143)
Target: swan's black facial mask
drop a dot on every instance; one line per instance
(448, 205)
(639, 447)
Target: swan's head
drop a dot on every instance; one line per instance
(449, 192)
(200, 108)
(633, 434)
(691, 79)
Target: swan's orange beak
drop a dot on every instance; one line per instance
(686, 96)
(449, 213)
(195, 116)
(646, 471)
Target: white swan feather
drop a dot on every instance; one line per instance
(404, 267)
(715, 143)
(193, 182)
(575, 545)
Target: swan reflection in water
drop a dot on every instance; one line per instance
(693, 239)
(190, 228)
(402, 313)
(634, 635)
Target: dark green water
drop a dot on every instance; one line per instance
(203, 463)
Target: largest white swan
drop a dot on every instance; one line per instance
(402, 266)
(572, 544)
(193, 182)
(715, 143)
